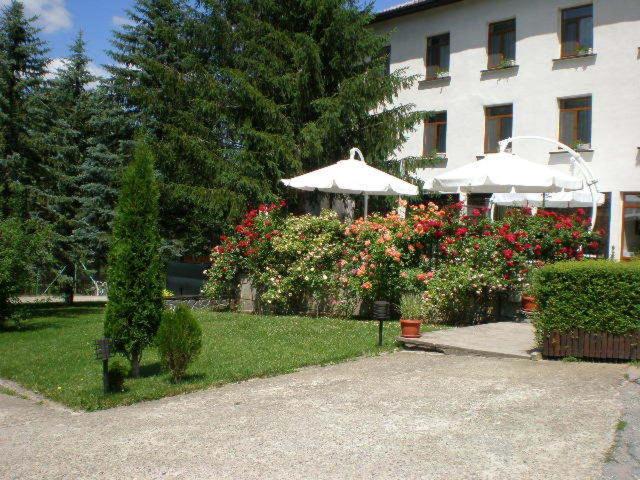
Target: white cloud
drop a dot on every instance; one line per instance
(53, 15)
(119, 20)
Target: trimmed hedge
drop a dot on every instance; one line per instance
(593, 295)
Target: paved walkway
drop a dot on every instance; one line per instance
(502, 339)
(405, 415)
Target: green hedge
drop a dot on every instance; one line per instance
(593, 295)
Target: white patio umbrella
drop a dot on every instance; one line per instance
(504, 173)
(352, 177)
(574, 199)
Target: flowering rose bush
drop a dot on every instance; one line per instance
(457, 262)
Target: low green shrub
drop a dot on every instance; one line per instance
(179, 340)
(593, 295)
(118, 371)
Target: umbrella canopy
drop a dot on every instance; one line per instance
(575, 199)
(352, 177)
(504, 173)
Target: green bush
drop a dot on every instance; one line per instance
(118, 371)
(24, 249)
(179, 340)
(134, 273)
(594, 296)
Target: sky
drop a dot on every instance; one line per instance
(60, 21)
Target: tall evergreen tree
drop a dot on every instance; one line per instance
(308, 81)
(167, 79)
(135, 280)
(23, 63)
(69, 99)
(107, 146)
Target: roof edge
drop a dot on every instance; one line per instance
(409, 9)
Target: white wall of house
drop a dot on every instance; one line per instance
(611, 77)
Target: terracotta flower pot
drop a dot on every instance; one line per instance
(410, 328)
(529, 303)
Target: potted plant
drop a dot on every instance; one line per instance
(506, 63)
(583, 50)
(411, 314)
(441, 73)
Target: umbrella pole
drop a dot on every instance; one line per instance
(366, 205)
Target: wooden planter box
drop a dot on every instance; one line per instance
(580, 344)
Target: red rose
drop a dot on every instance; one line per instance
(461, 232)
(476, 212)
(508, 253)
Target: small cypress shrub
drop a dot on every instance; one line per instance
(135, 272)
(179, 340)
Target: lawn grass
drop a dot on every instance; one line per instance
(53, 353)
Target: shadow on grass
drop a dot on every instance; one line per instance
(63, 311)
(151, 370)
(30, 326)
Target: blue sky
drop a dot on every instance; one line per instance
(61, 20)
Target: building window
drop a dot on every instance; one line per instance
(502, 44)
(577, 31)
(435, 134)
(437, 55)
(575, 122)
(631, 225)
(498, 126)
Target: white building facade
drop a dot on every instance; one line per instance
(563, 69)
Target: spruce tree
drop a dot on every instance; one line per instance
(167, 79)
(308, 81)
(23, 114)
(134, 273)
(69, 99)
(107, 146)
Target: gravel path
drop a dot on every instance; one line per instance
(405, 415)
(623, 462)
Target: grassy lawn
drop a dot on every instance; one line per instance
(53, 354)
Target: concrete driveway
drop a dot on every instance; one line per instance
(404, 415)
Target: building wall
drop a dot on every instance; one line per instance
(612, 78)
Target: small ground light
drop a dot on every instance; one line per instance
(103, 352)
(381, 313)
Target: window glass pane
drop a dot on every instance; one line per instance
(429, 145)
(493, 133)
(444, 57)
(631, 232)
(506, 127)
(576, 102)
(572, 13)
(510, 45)
(584, 126)
(442, 138)
(500, 110)
(586, 32)
(567, 127)
(632, 198)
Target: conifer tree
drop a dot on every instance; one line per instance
(308, 81)
(107, 146)
(167, 79)
(134, 274)
(23, 63)
(69, 99)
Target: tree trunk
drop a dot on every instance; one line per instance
(135, 364)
